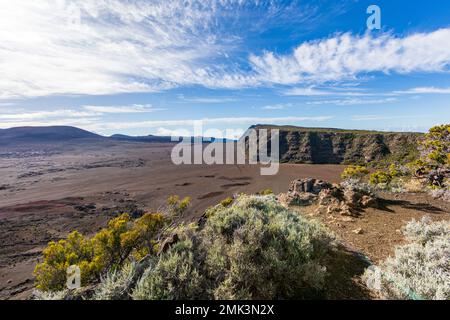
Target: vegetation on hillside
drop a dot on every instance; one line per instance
(427, 171)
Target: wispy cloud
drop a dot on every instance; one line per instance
(86, 123)
(351, 102)
(425, 90)
(209, 121)
(109, 46)
(347, 56)
(307, 92)
(136, 108)
(279, 106)
(113, 46)
(24, 116)
(206, 100)
(384, 117)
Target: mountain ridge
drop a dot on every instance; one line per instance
(297, 144)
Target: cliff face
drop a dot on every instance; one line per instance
(334, 146)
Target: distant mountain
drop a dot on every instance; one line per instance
(148, 138)
(23, 136)
(31, 135)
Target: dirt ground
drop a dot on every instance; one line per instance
(371, 238)
(377, 231)
(44, 195)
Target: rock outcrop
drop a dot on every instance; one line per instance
(335, 146)
(303, 192)
(329, 198)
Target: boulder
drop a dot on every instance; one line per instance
(331, 198)
(308, 185)
(297, 199)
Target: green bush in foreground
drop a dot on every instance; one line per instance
(122, 241)
(420, 269)
(254, 249)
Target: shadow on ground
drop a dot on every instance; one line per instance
(345, 268)
(423, 207)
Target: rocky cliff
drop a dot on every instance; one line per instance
(336, 146)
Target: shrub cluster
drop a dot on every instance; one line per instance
(380, 177)
(354, 172)
(430, 170)
(253, 249)
(123, 240)
(419, 269)
(266, 192)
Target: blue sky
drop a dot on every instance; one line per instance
(152, 67)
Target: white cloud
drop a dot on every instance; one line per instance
(307, 92)
(206, 100)
(207, 121)
(345, 56)
(280, 106)
(51, 47)
(425, 90)
(136, 108)
(85, 112)
(46, 115)
(351, 102)
(169, 132)
(110, 46)
(383, 117)
(234, 134)
(85, 123)
(331, 91)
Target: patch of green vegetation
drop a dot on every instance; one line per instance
(354, 172)
(122, 240)
(254, 249)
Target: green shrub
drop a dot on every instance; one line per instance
(49, 295)
(227, 202)
(354, 172)
(436, 145)
(176, 206)
(117, 284)
(51, 274)
(254, 249)
(175, 276)
(395, 171)
(380, 177)
(420, 269)
(108, 249)
(266, 192)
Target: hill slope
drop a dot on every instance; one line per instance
(29, 135)
(149, 138)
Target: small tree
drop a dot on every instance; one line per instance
(434, 163)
